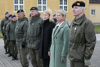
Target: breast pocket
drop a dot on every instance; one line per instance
(38, 28)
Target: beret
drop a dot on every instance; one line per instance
(33, 8)
(54, 15)
(19, 11)
(30, 15)
(13, 16)
(78, 3)
(10, 15)
(6, 13)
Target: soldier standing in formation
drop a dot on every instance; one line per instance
(5, 33)
(2, 30)
(11, 37)
(81, 45)
(20, 33)
(82, 39)
(33, 37)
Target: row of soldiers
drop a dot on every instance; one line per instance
(22, 36)
(8, 25)
(26, 35)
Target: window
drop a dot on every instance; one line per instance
(93, 12)
(63, 5)
(42, 5)
(18, 4)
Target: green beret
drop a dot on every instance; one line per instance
(78, 3)
(19, 11)
(33, 8)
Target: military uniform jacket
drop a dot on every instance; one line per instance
(21, 31)
(5, 25)
(82, 39)
(34, 31)
(11, 30)
(2, 24)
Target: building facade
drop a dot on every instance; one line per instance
(13, 5)
(94, 8)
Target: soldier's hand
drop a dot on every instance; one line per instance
(49, 53)
(63, 59)
(87, 62)
(23, 45)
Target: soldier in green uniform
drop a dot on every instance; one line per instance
(11, 37)
(26, 18)
(5, 33)
(33, 37)
(2, 29)
(20, 33)
(82, 39)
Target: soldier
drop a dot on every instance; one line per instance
(20, 33)
(2, 29)
(82, 39)
(55, 18)
(26, 18)
(5, 33)
(11, 37)
(33, 37)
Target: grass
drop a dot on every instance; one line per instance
(97, 28)
(1, 35)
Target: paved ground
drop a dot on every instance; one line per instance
(7, 61)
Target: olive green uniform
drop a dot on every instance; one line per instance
(5, 35)
(11, 37)
(33, 39)
(82, 41)
(20, 33)
(2, 30)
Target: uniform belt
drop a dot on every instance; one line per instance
(35, 38)
(19, 36)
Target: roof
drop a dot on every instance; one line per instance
(94, 1)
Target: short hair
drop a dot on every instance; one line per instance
(49, 12)
(62, 12)
(83, 8)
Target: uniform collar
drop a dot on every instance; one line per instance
(79, 20)
(21, 19)
(60, 24)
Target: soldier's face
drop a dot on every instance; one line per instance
(20, 15)
(45, 16)
(60, 17)
(14, 18)
(77, 11)
(10, 18)
(34, 13)
(7, 15)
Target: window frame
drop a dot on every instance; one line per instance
(93, 11)
(42, 5)
(18, 5)
(63, 5)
